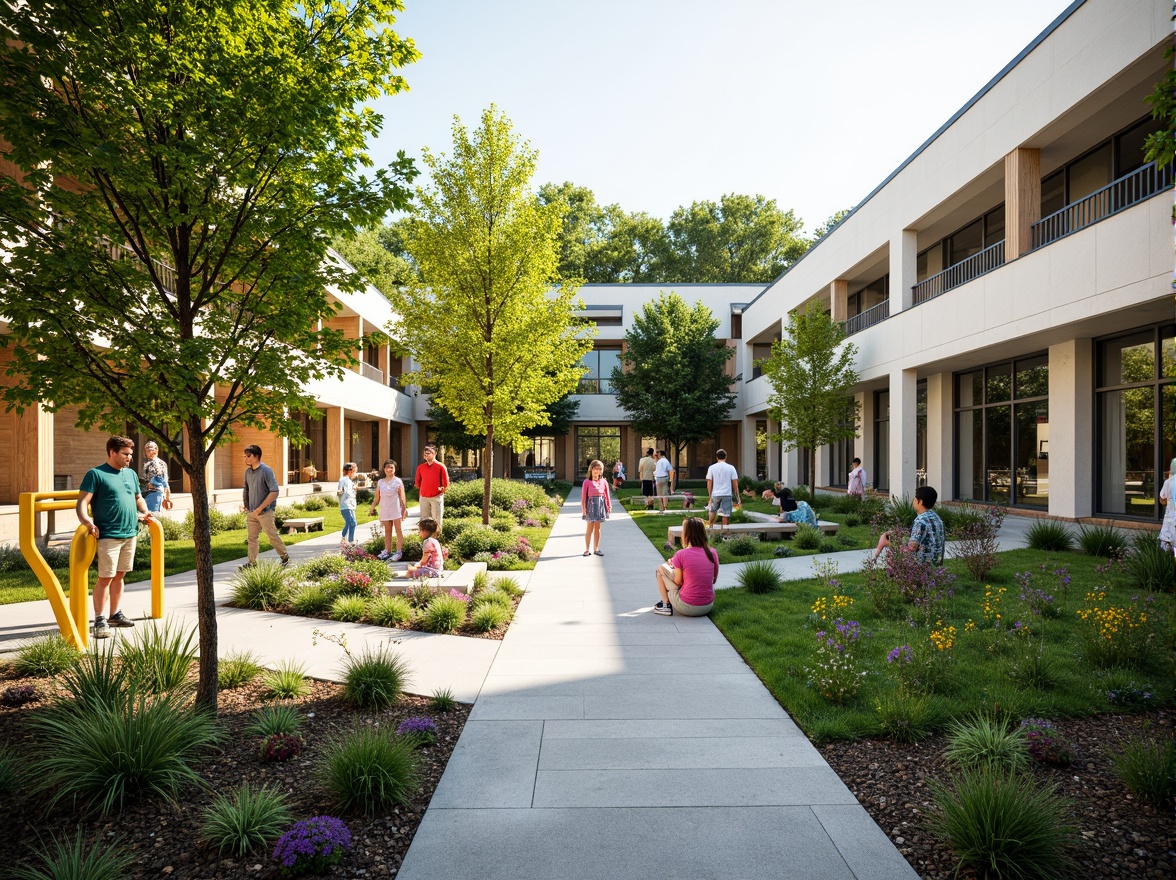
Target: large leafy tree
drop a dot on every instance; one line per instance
(812, 371)
(452, 434)
(672, 381)
(491, 336)
(370, 254)
(183, 167)
(739, 239)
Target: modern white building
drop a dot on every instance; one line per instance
(1007, 289)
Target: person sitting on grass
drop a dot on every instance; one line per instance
(926, 540)
(687, 581)
(432, 562)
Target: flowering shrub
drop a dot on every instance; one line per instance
(836, 671)
(351, 582)
(458, 594)
(421, 727)
(19, 694)
(353, 552)
(1116, 635)
(1044, 744)
(531, 523)
(976, 540)
(280, 747)
(1129, 697)
(1040, 600)
(925, 587)
(313, 845)
(519, 504)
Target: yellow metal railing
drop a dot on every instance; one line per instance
(73, 619)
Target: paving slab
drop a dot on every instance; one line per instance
(624, 744)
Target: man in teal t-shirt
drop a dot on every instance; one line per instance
(110, 506)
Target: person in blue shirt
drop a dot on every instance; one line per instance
(927, 538)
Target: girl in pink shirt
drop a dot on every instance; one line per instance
(432, 560)
(687, 581)
(595, 505)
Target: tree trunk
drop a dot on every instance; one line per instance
(206, 691)
(812, 474)
(487, 472)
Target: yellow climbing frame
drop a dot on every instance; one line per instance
(73, 619)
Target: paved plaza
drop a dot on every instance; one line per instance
(605, 741)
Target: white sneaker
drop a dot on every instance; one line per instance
(396, 557)
(383, 554)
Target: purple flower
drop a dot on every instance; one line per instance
(901, 655)
(313, 845)
(419, 725)
(458, 594)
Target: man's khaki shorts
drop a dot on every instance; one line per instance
(663, 487)
(115, 555)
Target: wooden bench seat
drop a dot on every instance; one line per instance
(761, 528)
(303, 524)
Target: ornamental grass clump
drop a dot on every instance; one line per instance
(263, 586)
(45, 657)
(442, 700)
(444, 614)
(389, 610)
(759, 577)
(419, 727)
(1147, 766)
(313, 846)
(984, 741)
(368, 770)
(1006, 825)
(237, 670)
(348, 609)
(245, 820)
(905, 717)
(311, 600)
(837, 670)
(158, 656)
(375, 678)
(287, 682)
(489, 616)
(1149, 565)
(1049, 536)
(1106, 541)
(9, 769)
(71, 859)
(269, 720)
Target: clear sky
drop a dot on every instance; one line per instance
(653, 104)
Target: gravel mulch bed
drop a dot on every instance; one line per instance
(165, 837)
(1126, 839)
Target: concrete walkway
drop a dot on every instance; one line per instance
(611, 742)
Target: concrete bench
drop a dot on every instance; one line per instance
(761, 528)
(303, 524)
(634, 499)
(460, 579)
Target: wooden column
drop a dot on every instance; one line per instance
(1022, 199)
(337, 444)
(839, 299)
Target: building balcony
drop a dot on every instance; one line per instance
(871, 316)
(978, 264)
(1118, 195)
(371, 372)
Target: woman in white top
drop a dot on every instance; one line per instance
(1168, 527)
(393, 508)
(346, 492)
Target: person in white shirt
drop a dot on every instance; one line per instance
(722, 484)
(663, 475)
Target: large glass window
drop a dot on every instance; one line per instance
(1136, 394)
(841, 454)
(309, 463)
(873, 294)
(921, 433)
(881, 441)
(1002, 433)
(599, 365)
(761, 449)
(596, 442)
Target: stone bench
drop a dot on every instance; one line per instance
(303, 524)
(633, 499)
(762, 528)
(460, 579)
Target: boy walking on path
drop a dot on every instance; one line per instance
(432, 479)
(112, 490)
(260, 499)
(722, 484)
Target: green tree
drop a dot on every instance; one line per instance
(373, 259)
(740, 239)
(672, 381)
(1160, 146)
(812, 373)
(491, 336)
(827, 227)
(452, 434)
(184, 166)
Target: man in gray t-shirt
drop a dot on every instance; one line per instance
(259, 499)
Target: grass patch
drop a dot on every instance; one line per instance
(374, 679)
(246, 820)
(237, 670)
(46, 656)
(288, 681)
(69, 858)
(368, 771)
(1147, 766)
(956, 649)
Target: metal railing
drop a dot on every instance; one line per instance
(871, 316)
(370, 372)
(1116, 196)
(990, 258)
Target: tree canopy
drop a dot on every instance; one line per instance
(672, 381)
(183, 167)
(491, 336)
(812, 371)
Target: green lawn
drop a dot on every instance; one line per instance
(22, 586)
(1048, 672)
